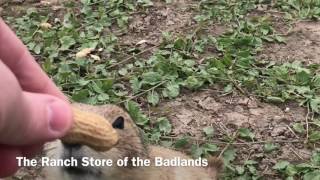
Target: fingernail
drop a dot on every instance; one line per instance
(59, 115)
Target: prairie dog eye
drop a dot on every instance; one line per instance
(118, 123)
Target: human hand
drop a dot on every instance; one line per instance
(32, 109)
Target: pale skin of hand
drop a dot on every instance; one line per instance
(32, 109)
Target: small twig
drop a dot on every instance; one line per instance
(223, 128)
(292, 131)
(265, 170)
(238, 87)
(296, 153)
(235, 135)
(274, 11)
(131, 57)
(249, 155)
(149, 111)
(195, 33)
(142, 93)
(33, 34)
(307, 124)
(269, 174)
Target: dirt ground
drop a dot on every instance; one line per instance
(191, 112)
(302, 44)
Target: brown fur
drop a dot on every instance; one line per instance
(130, 145)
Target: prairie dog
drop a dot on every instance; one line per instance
(130, 145)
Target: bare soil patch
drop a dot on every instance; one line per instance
(149, 25)
(302, 44)
(190, 113)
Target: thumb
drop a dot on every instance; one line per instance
(37, 118)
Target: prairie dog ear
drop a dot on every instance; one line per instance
(118, 123)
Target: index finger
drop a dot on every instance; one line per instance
(16, 56)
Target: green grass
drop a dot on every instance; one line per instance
(304, 9)
(122, 76)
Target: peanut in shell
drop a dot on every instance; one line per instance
(92, 130)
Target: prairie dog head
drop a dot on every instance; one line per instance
(130, 145)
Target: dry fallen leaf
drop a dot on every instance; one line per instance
(142, 42)
(45, 3)
(95, 57)
(50, 2)
(45, 25)
(84, 52)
